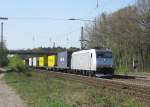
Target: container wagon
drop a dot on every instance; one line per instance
(64, 61)
(52, 61)
(30, 62)
(42, 62)
(26, 61)
(35, 62)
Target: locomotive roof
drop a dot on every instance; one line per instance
(92, 50)
(104, 50)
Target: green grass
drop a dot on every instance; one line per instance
(45, 90)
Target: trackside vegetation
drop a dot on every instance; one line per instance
(45, 90)
(16, 64)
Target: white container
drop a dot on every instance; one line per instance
(30, 62)
(35, 61)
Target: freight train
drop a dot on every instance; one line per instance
(86, 62)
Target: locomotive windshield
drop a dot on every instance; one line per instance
(104, 54)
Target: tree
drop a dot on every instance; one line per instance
(123, 32)
(143, 13)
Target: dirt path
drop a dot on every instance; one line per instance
(8, 98)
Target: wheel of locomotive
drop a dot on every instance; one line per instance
(78, 72)
(94, 74)
(85, 73)
(75, 72)
(69, 70)
(72, 71)
(65, 70)
(88, 73)
(82, 72)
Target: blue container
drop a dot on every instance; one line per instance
(64, 60)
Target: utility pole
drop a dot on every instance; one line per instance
(82, 38)
(2, 36)
(54, 45)
(97, 4)
(49, 42)
(33, 42)
(1, 47)
(67, 41)
(2, 43)
(95, 26)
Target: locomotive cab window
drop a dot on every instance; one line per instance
(104, 54)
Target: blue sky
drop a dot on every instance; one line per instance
(35, 23)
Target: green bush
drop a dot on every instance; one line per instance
(16, 64)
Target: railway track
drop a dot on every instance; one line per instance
(129, 85)
(137, 88)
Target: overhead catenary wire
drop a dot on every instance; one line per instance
(20, 18)
(53, 18)
(67, 37)
(88, 15)
(38, 18)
